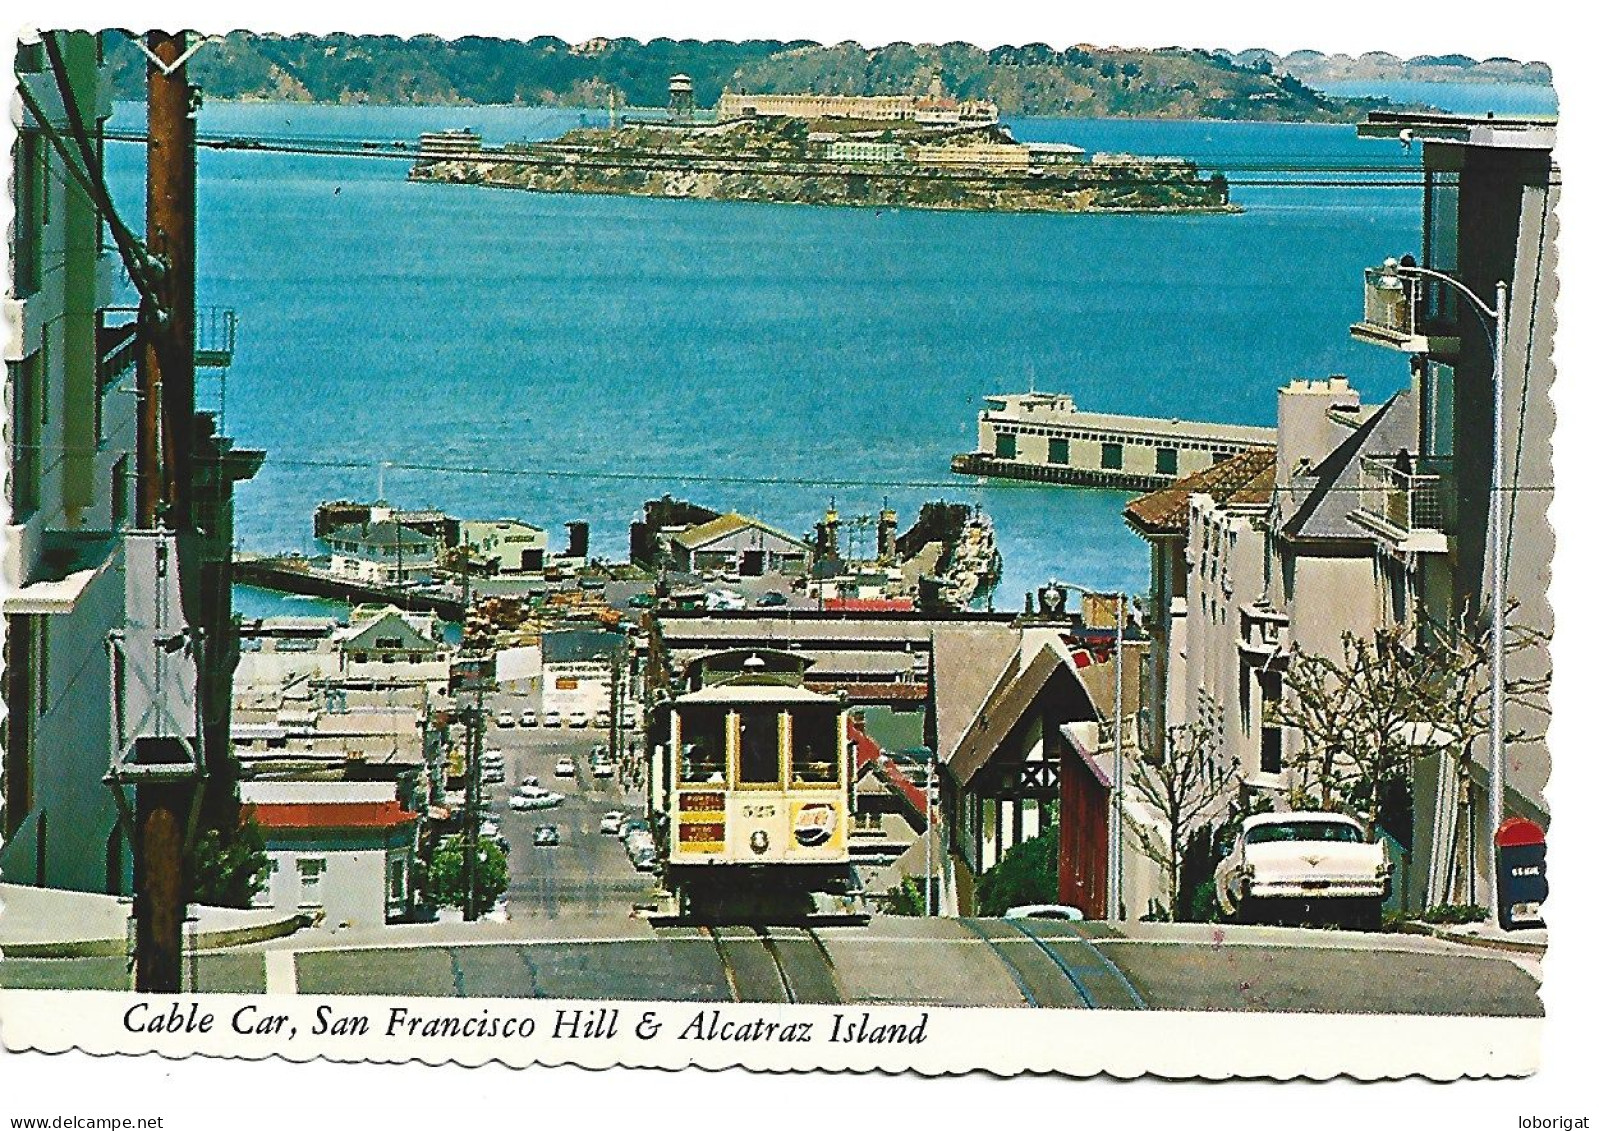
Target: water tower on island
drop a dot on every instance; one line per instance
(680, 98)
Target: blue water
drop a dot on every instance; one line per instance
(1503, 98)
(586, 353)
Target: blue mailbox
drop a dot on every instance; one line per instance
(1519, 849)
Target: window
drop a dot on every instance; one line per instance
(263, 895)
(1166, 461)
(757, 747)
(397, 880)
(25, 431)
(1060, 450)
(1438, 409)
(310, 870)
(703, 745)
(815, 741)
(1271, 732)
(1110, 456)
(388, 643)
(119, 493)
(1005, 445)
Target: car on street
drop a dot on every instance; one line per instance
(644, 859)
(565, 768)
(641, 601)
(628, 827)
(521, 802)
(493, 775)
(639, 840)
(611, 822)
(499, 913)
(552, 718)
(546, 835)
(604, 769)
(530, 718)
(1303, 865)
(530, 779)
(602, 720)
(770, 600)
(505, 719)
(577, 719)
(723, 599)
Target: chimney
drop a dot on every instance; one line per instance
(1305, 433)
(577, 540)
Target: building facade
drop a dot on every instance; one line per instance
(69, 494)
(735, 544)
(382, 552)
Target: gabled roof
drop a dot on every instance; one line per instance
(1245, 479)
(967, 662)
(1319, 503)
(385, 535)
(1011, 702)
(718, 528)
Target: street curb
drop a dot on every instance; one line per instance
(1512, 946)
(118, 947)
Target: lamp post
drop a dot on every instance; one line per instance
(1113, 898)
(1497, 316)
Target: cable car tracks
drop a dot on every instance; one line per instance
(1061, 968)
(782, 964)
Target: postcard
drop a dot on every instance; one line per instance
(779, 553)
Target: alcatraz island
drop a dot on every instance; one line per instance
(895, 151)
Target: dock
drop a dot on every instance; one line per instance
(301, 575)
(1043, 438)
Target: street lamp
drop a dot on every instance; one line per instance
(1497, 316)
(1113, 899)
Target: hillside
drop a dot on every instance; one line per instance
(1079, 81)
(1314, 68)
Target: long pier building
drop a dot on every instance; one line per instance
(1043, 437)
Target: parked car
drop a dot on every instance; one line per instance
(611, 822)
(565, 768)
(505, 719)
(1289, 867)
(641, 601)
(577, 719)
(552, 718)
(604, 769)
(724, 599)
(521, 802)
(530, 718)
(1045, 911)
(771, 600)
(499, 913)
(494, 756)
(493, 775)
(635, 824)
(644, 860)
(545, 835)
(530, 779)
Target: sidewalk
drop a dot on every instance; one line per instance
(1534, 941)
(50, 923)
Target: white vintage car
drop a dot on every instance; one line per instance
(1292, 867)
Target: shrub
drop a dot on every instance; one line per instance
(447, 873)
(1028, 874)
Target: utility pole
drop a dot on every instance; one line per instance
(474, 781)
(164, 450)
(616, 705)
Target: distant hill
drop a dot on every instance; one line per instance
(1037, 79)
(1034, 79)
(1314, 68)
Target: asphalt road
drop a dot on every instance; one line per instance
(587, 877)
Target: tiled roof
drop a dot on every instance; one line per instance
(331, 815)
(1241, 480)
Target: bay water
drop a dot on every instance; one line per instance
(564, 357)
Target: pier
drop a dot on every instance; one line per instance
(1042, 437)
(301, 575)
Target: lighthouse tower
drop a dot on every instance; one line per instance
(680, 98)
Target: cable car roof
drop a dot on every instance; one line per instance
(738, 692)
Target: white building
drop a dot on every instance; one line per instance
(68, 496)
(577, 670)
(508, 545)
(340, 852)
(383, 552)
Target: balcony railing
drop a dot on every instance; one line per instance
(1404, 312)
(1399, 500)
(116, 342)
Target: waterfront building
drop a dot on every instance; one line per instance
(383, 552)
(978, 155)
(341, 852)
(1043, 437)
(382, 641)
(732, 543)
(506, 545)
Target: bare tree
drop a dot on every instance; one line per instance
(1182, 788)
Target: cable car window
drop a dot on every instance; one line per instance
(757, 747)
(704, 745)
(815, 732)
